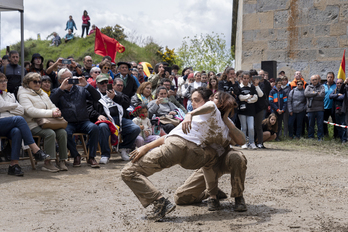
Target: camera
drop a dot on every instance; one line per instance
(66, 61)
(73, 81)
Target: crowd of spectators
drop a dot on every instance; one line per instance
(143, 107)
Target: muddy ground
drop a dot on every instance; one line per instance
(287, 189)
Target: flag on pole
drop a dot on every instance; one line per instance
(342, 70)
(106, 46)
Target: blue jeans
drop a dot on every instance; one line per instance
(247, 122)
(341, 120)
(86, 127)
(104, 133)
(319, 115)
(130, 132)
(299, 120)
(16, 129)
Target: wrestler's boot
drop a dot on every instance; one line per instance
(239, 205)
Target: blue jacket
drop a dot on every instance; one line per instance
(70, 24)
(69, 37)
(278, 99)
(328, 90)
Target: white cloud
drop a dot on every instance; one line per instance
(167, 22)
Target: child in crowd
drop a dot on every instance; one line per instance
(270, 128)
(213, 84)
(142, 120)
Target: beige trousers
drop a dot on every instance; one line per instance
(194, 189)
(175, 150)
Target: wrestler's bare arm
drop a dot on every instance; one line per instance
(205, 109)
(141, 151)
(236, 135)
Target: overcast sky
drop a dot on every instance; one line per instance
(166, 21)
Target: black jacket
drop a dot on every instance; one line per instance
(131, 86)
(95, 108)
(13, 74)
(227, 86)
(73, 104)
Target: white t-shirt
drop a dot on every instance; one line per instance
(207, 130)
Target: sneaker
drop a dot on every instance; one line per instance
(213, 204)
(253, 146)
(104, 160)
(245, 146)
(124, 154)
(49, 167)
(62, 166)
(239, 205)
(40, 155)
(93, 163)
(15, 170)
(259, 146)
(160, 209)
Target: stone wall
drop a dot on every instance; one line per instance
(305, 35)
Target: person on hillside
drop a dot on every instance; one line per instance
(70, 24)
(85, 23)
(68, 36)
(13, 72)
(93, 30)
(56, 41)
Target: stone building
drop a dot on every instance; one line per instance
(306, 35)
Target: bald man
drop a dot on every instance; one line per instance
(87, 65)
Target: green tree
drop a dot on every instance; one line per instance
(205, 52)
(116, 32)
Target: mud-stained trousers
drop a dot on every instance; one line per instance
(194, 189)
(175, 150)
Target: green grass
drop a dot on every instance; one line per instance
(80, 47)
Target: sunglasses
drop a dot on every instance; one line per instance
(97, 72)
(103, 82)
(36, 82)
(300, 84)
(106, 68)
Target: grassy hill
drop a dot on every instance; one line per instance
(80, 47)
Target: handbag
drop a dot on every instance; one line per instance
(52, 123)
(169, 119)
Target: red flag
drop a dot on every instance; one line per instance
(342, 69)
(106, 46)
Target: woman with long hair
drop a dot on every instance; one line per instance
(143, 95)
(270, 128)
(213, 84)
(85, 23)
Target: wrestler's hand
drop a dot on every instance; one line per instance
(227, 113)
(137, 154)
(186, 124)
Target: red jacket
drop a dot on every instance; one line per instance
(85, 19)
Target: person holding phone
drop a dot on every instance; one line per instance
(161, 107)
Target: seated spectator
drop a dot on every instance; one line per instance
(315, 94)
(129, 84)
(161, 107)
(46, 84)
(339, 110)
(56, 41)
(87, 66)
(156, 77)
(36, 64)
(185, 88)
(38, 105)
(135, 73)
(12, 72)
(172, 94)
(192, 86)
(95, 71)
(14, 127)
(141, 119)
(278, 102)
(143, 95)
(71, 100)
(297, 109)
(93, 30)
(270, 128)
(68, 36)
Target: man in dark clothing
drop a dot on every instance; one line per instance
(129, 84)
(13, 72)
(71, 100)
(87, 61)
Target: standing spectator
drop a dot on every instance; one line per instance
(5, 60)
(278, 102)
(85, 23)
(205, 78)
(171, 94)
(315, 94)
(93, 30)
(228, 82)
(286, 89)
(70, 24)
(338, 107)
(36, 105)
(87, 65)
(0, 62)
(142, 77)
(329, 110)
(71, 100)
(213, 85)
(129, 84)
(13, 72)
(297, 109)
(298, 76)
(246, 113)
(36, 64)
